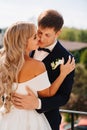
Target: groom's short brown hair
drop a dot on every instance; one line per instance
(51, 19)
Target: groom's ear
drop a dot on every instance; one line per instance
(58, 33)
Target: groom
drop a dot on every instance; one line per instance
(50, 23)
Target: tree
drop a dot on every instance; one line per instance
(68, 34)
(78, 98)
(84, 58)
(82, 36)
(73, 34)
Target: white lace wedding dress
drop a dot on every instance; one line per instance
(19, 119)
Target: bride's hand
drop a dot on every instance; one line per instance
(65, 69)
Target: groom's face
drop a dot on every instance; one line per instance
(47, 36)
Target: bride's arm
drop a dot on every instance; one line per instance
(64, 71)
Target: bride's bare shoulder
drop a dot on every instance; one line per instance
(30, 69)
(39, 65)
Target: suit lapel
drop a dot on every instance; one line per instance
(32, 54)
(54, 54)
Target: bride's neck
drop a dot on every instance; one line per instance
(26, 57)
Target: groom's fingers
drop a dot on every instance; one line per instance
(17, 103)
(20, 96)
(24, 101)
(30, 92)
(18, 106)
(17, 99)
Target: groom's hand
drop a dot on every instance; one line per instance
(29, 101)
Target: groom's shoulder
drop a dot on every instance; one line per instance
(61, 48)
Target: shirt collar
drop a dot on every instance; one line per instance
(51, 46)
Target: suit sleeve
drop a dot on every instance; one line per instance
(60, 98)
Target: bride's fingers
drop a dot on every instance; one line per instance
(73, 64)
(73, 60)
(62, 60)
(69, 60)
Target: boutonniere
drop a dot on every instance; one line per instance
(55, 63)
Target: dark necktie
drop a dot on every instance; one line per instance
(44, 49)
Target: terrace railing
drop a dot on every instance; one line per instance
(73, 113)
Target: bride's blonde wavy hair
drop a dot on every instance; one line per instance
(11, 61)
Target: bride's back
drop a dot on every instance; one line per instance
(31, 69)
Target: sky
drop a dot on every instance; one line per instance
(73, 11)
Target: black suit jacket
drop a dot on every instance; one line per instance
(50, 105)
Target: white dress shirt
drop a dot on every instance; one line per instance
(40, 55)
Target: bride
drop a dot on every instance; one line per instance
(18, 70)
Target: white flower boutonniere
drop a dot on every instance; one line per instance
(55, 63)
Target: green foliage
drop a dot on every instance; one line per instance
(67, 117)
(73, 34)
(84, 58)
(80, 81)
(76, 55)
(79, 55)
(78, 98)
(67, 34)
(80, 88)
(82, 36)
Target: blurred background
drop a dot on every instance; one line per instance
(73, 38)
(73, 11)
